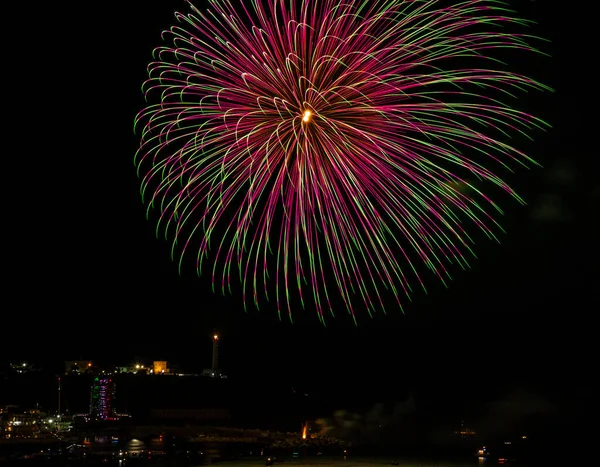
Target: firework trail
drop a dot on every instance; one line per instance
(322, 148)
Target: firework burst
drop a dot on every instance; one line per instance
(316, 148)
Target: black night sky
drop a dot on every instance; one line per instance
(89, 279)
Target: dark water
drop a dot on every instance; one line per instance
(188, 453)
(152, 452)
(260, 461)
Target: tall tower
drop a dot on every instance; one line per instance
(214, 371)
(215, 352)
(102, 395)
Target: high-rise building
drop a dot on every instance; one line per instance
(102, 396)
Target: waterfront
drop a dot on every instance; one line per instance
(260, 461)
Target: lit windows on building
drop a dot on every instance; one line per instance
(102, 399)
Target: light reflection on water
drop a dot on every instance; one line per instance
(256, 461)
(310, 462)
(163, 453)
(374, 462)
(135, 446)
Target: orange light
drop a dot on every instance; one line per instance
(215, 337)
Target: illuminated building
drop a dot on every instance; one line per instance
(102, 397)
(465, 433)
(78, 366)
(22, 367)
(160, 367)
(20, 425)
